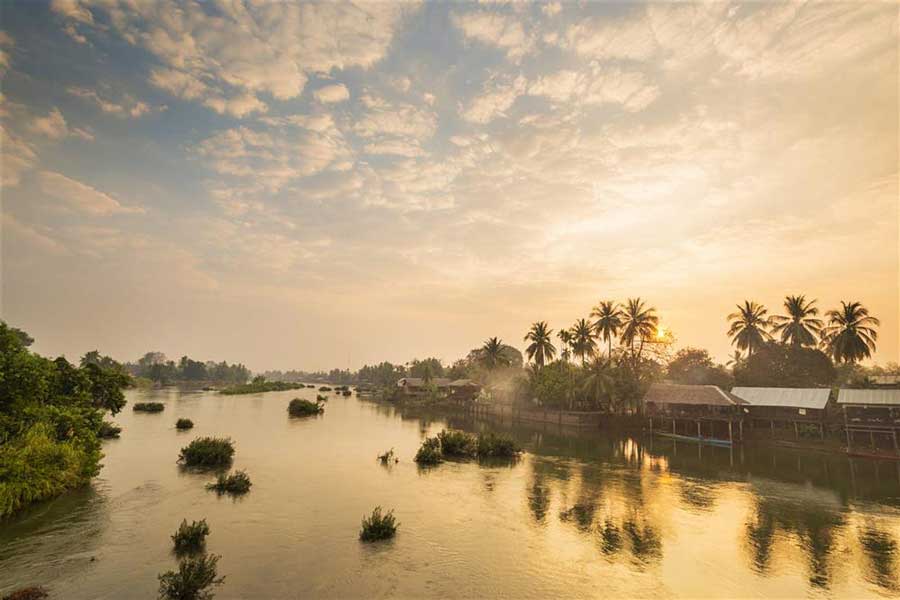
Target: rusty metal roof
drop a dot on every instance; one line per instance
(708, 395)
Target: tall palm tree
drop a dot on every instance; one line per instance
(541, 349)
(599, 382)
(565, 338)
(800, 326)
(609, 321)
(748, 326)
(492, 354)
(583, 342)
(850, 335)
(735, 360)
(638, 322)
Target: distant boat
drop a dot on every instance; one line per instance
(690, 438)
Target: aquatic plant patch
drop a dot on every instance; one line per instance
(184, 424)
(299, 407)
(193, 579)
(190, 537)
(378, 526)
(207, 452)
(236, 483)
(151, 407)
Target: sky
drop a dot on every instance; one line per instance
(330, 184)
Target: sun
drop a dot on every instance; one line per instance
(661, 333)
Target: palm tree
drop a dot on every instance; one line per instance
(799, 327)
(599, 381)
(638, 322)
(492, 354)
(583, 342)
(609, 321)
(541, 349)
(850, 335)
(748, 326)
(735, 360)
(565, 338)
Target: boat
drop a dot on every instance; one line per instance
(689, 438)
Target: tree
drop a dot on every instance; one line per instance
(850, 335)
(599, 381)
(608, 323)
(695, 366)
(426, 369)
(800, 326)
(638, 323)
(748, 327)
(552, 385)
(583, 342)
(783, 365)
(541, 350)
(565, 338)
(493, 355)
(735, 360)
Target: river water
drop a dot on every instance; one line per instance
(581, 514)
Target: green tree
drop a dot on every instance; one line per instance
(850, 335)
(583, 342)
(748, 326)
(695, 366)
(783, 365)
(541, 349)
(599, 381)
(608, 323)
(638, 323)
(493, 355)
(565, 339)
(426, 369)
(800, 326)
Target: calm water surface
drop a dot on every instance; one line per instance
(580, 515)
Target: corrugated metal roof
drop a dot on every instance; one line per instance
(785, 397)
(886, 397)
(708, 395)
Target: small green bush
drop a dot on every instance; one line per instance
(388, 457)
(190, 538)
(378, 526)
(321, 398)
(192, 581)
(108, 430)
(309, 385)
(152, 407)
(207, 452)
(29, 593)
(496, 445)
(235, 483)
(457, 443)
(184, 424)
(324, 388)
(303, 408)
(430, 452)
(346, 393)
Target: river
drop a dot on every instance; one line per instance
(581, 514)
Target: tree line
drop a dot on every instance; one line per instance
(156, 367)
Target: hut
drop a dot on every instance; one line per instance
(702, 411)
(418, 386)
(462, 390)
(875, 412)
(788, 407)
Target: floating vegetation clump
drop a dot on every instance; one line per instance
(29, 593)
(304, 408)
(152, 407)
(378, 526)
(184, 424)
(192, 581)
(458, 444)
(496, 445)
(310, 385)
(324, 388)
(346, 393)
(190, 538)
(321, 398)
(388, 457)
(207, 452)
(236, 483)
(108, 430)
(430, 452)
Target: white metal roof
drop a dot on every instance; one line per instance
(785, 397)
(887, 397)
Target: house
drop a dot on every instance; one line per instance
(458, 389)
(705, 413)
(786, 406)
(873, 412)
(885, 380)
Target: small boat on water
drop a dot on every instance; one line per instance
(690, 438)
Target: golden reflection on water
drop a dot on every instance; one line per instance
(580, 514)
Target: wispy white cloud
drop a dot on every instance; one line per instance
(82, 197)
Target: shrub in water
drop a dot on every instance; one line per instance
(457, 443)
(324, 388)
(207, 452)
(321, 398)
(29, 593)
(108, 430)
(494, 445)
(346, 392)
(184, 424)
(302, 408)
(190, 538)
(192, 580)
(236, 483)
(378, 526)
(430, 452)
(149, 406)
(388, 457)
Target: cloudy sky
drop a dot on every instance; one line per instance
(318, 185)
